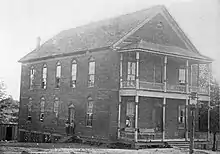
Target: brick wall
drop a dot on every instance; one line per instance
(104, 94)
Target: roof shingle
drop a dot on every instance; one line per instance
(95, 35)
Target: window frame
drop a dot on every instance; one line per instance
(58, 76)
(91, 72)
(89, 112)
(44, 77)
(29, 108)
(42, 108)
(31, 78)
(56, 106)
(181, 118)
(182, 74)
(73, 74)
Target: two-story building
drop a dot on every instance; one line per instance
(125, 78)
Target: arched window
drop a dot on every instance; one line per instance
(44, 77)
(73, 74)
(89, 113)
(29, 105)
(91, 76)
(56, 106)
(32, 73)
(42, 105)
(58, 75)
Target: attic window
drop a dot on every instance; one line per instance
(160, 25)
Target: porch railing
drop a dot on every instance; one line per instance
(176, 88)
(200, 90)
(151, 85)
(144, 85)
(129, 84)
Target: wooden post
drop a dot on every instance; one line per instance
(187, 99)
(137, 70)
(121, 62)
(209, 91)
(164, 99)
(136, 118)
(165, 74)
(164, 118)
(119, 116)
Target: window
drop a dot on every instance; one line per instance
(42, 105)
(32, 73)
(73, 74)
(91, 80)
(44, 77)
(131, 74)
(181, 117)
(29, 108)
(182, 76)
(58, 75)
(130, 114)
(56, 106)
(89, 114)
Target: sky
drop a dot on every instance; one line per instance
(22, 21)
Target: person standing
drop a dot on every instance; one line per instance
(67, 125)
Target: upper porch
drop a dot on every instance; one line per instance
(144, 70)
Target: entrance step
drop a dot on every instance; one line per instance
(65, 139)
(179, 144)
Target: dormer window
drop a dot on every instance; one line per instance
(58, 75)
(73, 74)
(44, 77)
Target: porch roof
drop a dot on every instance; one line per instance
(163, 50)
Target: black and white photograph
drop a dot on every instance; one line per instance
(110, 77)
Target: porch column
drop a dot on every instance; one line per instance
(164, 114)
(119, 116)
(121, 60)
(137, 70)
(165, 74)
(209, 86)
(136, 118)
(164, 99)
(187, 104)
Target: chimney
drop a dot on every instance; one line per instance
(38, 42)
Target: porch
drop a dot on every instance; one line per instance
(149, 120)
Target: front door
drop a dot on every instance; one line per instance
(71, 119)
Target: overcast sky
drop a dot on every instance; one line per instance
(22, 21)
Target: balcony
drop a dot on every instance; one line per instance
(151, 86)
(144, 85)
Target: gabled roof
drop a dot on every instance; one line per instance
(106, 33)
(95, 35)
(162, 49)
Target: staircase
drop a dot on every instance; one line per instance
(179, 144)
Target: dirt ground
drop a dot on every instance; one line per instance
(70, 148)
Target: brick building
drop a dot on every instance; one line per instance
(125, 78)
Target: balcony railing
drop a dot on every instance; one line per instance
(176, 88)
(151, 86)
(144, 85)
(129, 84)
(200, 90)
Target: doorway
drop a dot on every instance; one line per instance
(9, 133)
(71, 119)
